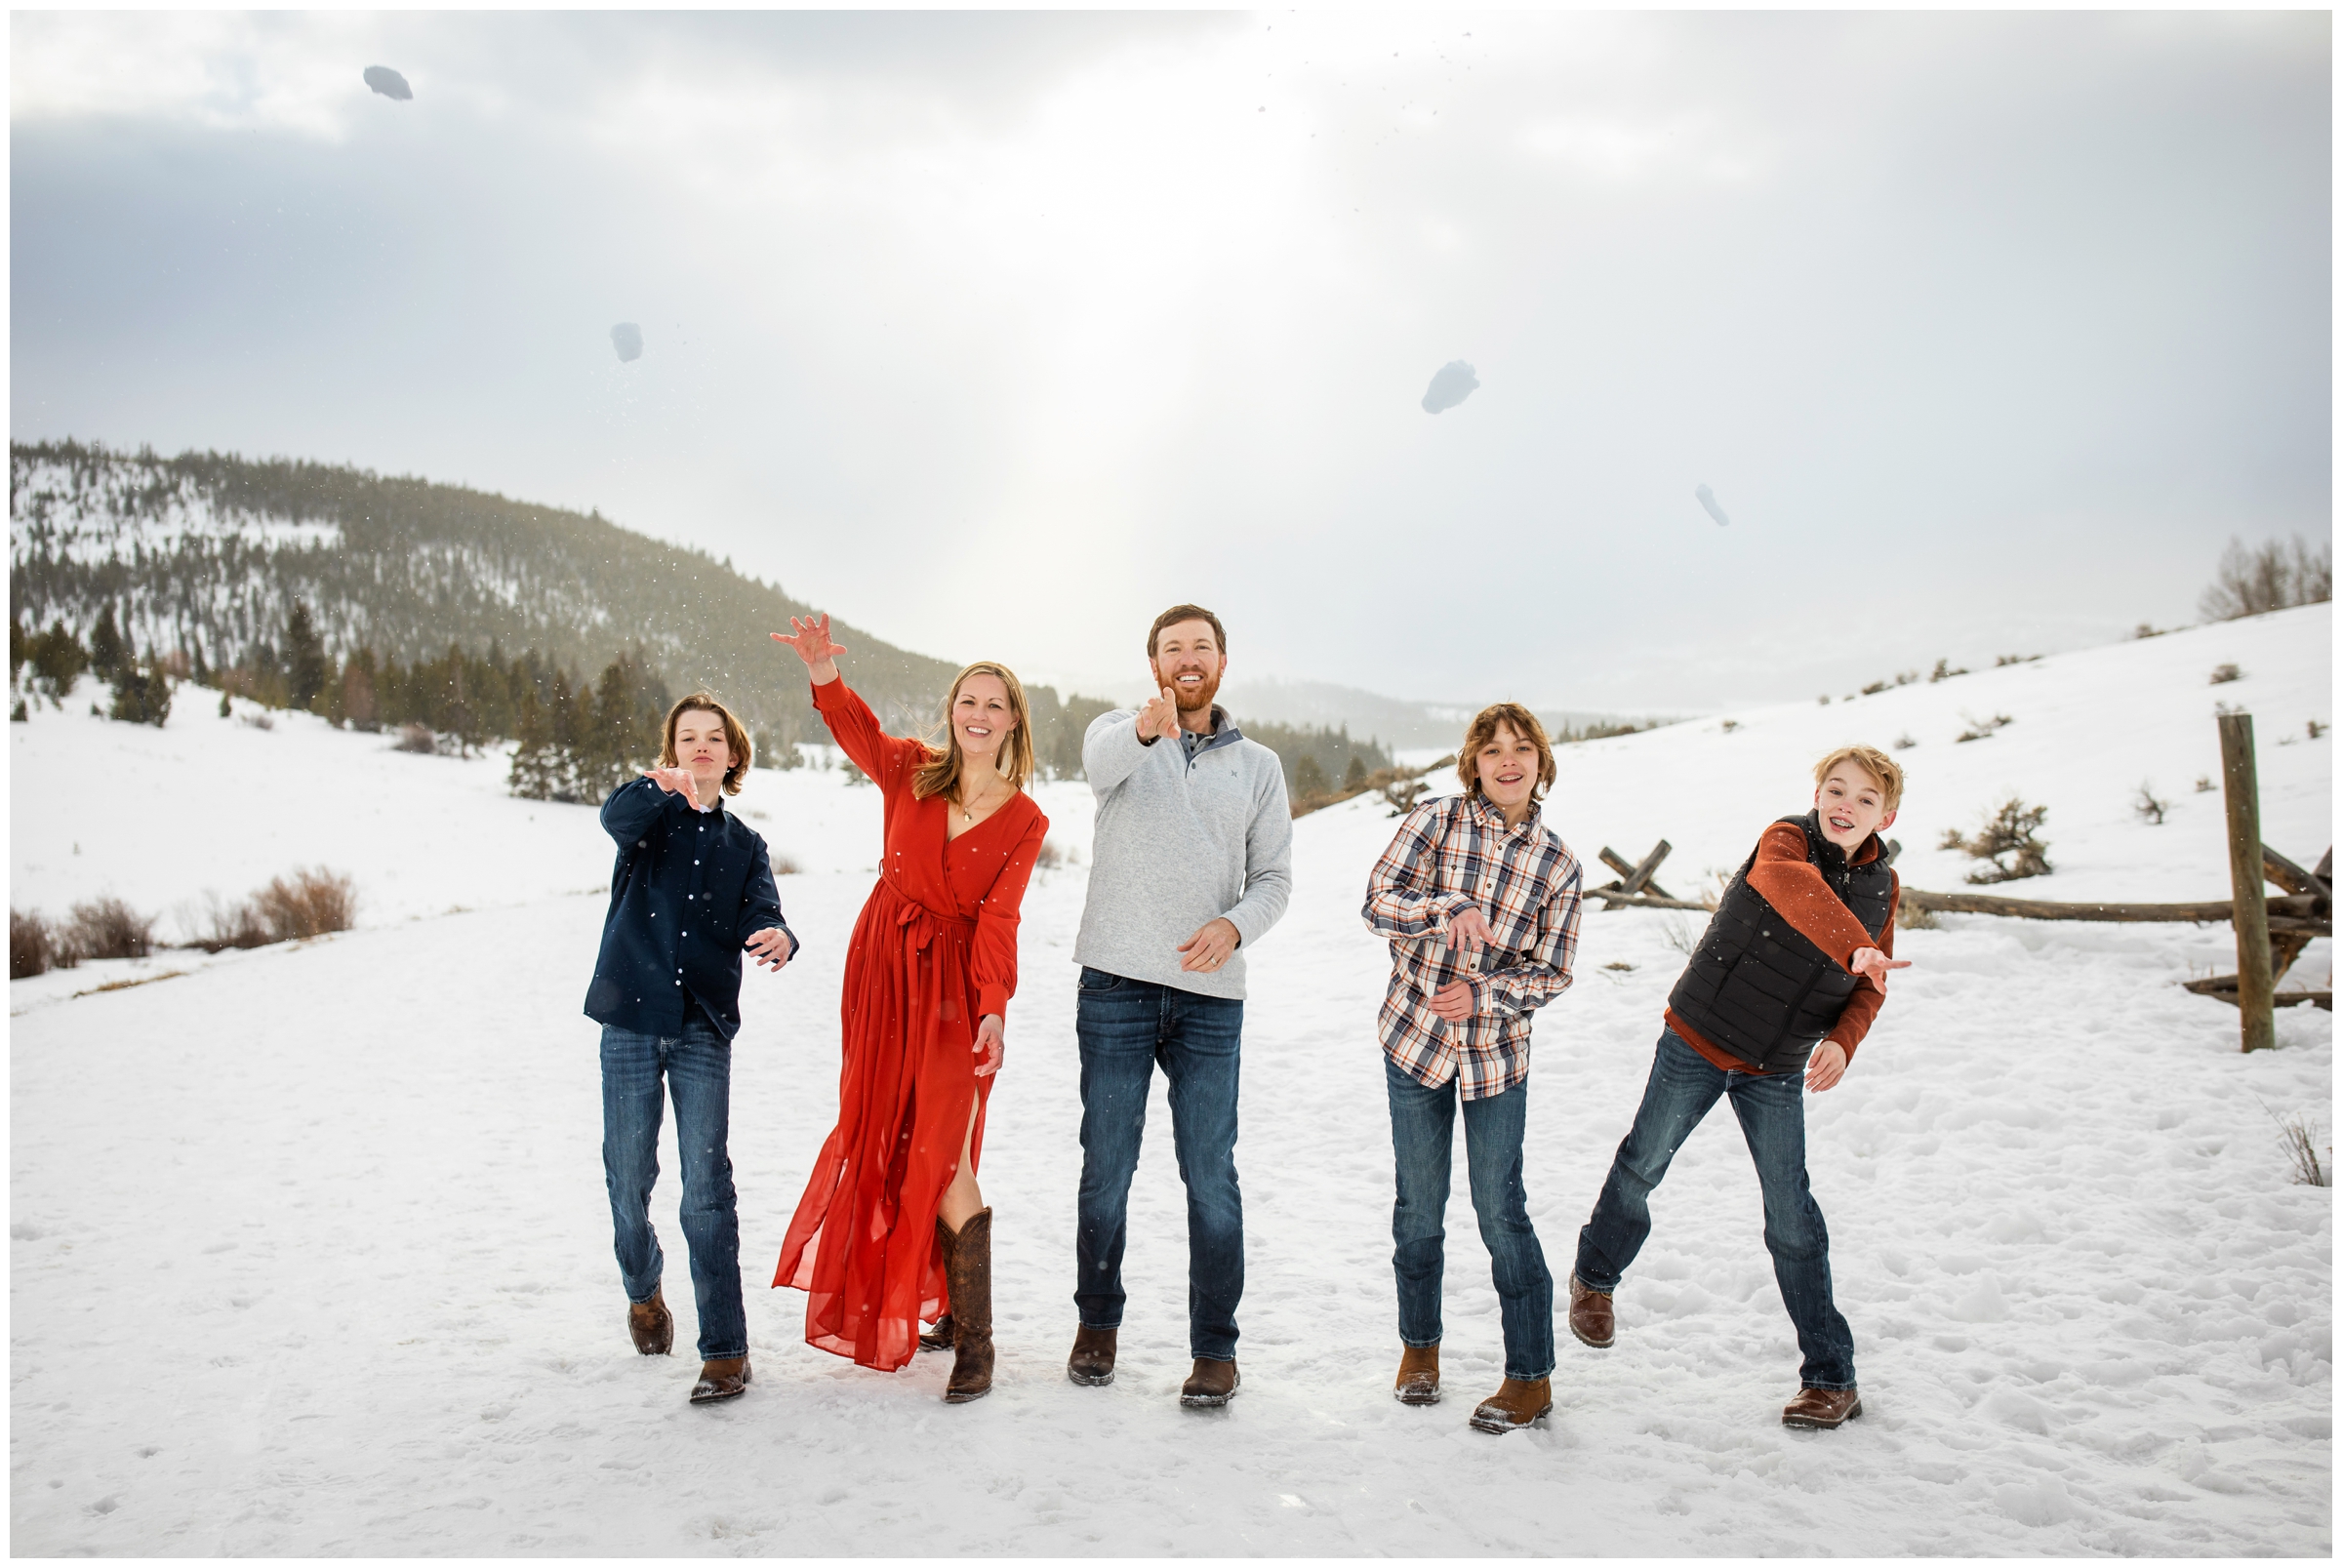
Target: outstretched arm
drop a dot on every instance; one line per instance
(811, 640)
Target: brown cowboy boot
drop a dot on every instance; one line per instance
(1515, 1405)
(939, 1338)
(1591, 1317)
(1092, 1363)
(652, 1324)
(720, 1380)
(969, 1264)
(1417, 1375)
(1822, 1409)
(1211, 1385)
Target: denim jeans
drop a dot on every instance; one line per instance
(1771, 1106)
(1423, 1128)
(1126, 1027)
(697, 1068)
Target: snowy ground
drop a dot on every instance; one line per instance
(310, 1254)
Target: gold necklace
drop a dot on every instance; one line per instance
(967, 808)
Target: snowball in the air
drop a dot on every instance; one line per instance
(387, 82)
(1452, 385)
(626, 339)
(1707, 499)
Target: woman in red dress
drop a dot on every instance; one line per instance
(892, 1227)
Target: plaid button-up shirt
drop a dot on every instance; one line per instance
(1449, 854)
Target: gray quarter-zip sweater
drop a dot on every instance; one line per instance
(1188, 831)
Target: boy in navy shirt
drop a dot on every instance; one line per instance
(693, 889)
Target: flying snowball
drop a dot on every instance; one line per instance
(1707, 499)
(387, 82)
(1452, 385)
(626, 339)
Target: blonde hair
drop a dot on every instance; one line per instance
(939, 774)
(1524, 724)
(736, 738)
(1870, 760)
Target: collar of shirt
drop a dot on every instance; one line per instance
(1194, 742)
(1492, 816)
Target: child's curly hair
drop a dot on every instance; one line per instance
(1524, 724)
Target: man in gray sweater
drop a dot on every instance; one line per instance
(1191, 865)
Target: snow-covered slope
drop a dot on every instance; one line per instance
(309, 1250)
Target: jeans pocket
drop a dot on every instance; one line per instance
(1098, 979)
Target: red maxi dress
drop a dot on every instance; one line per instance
(934, 951)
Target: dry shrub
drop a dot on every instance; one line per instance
(109, 927)
(419, 739)
(2149, 806)
(1052, 855)
(309, 902)
(1677, 934)
(2222, 674)
(2008, 844)
(1910, 916)
(34, 946)
(786, 866)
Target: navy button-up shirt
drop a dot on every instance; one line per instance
(690, 888)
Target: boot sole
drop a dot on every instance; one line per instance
(1210, 1401)
(1499, 1425)
(961, 1396)
(1416, 1397)
(748, 1375)
(1090, 1379)
(1590, 1343)
(1808, 1424)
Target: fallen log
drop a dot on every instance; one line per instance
(2206, 912)
(1644, 901)
(2223, 988)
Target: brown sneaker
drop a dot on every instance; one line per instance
(1822, 1409)
(652, 1324)
(720, 1380)
(1590, 1316)
(1092, 1363)
(1417, 1375)
(1515, 1405)
(1210, 1385)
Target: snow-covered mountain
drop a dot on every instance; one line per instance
(309, 1245)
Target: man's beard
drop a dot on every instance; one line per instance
(1197, 702)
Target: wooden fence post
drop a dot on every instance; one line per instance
(2255, 985)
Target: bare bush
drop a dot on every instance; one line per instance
(786, 866)
(2149, 809)
(2204, 785)
(1981, 728)
(34, 946)
(2222, 674)
(1943, 670)
(258, 721)
(2008, 844)
(1910, 916)
(2300, 1136)
(230, 924)
(308, 902)
(417, 737)
(109, 927)
(2317, 729)
(1905, 742)
(1051, 857)
(1677, 934)
(2252, 582)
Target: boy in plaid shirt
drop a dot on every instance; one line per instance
(1479, 900)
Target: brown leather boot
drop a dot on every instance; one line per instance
(1822, 1409)
(969, 1262)
(1515, 1405)
(1092, 1363)
(1211, 1385)
(1417, 1375)
(939, 1338)
(720, 1380)
(652, 1324)
(1592, 1318)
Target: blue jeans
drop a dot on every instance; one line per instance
(1771, 1106)
(697, 1068)
(1423, 1127)
(1126, 1027)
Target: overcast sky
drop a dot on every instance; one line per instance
(1001, 334)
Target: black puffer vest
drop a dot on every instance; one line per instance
(1755, 985)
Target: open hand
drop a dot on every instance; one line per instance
(675, 781)
(1468, 933)
(1453, 1001)
(1871, 962)
(1208, 949)
(991, 1046)
(1825, 1066)
(1159, 720)
(813, 645)
(771, 948)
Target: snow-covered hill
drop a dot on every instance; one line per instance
(309, 1250)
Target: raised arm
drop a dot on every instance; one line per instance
(1111, 750)
(1403, 900)
(631, 808)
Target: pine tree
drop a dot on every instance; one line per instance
(108, 657)
(305, 668)
(140, 696)
(1354, 777)
(538, 767)
(359, 708)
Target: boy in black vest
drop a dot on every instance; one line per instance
(1779, 992)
